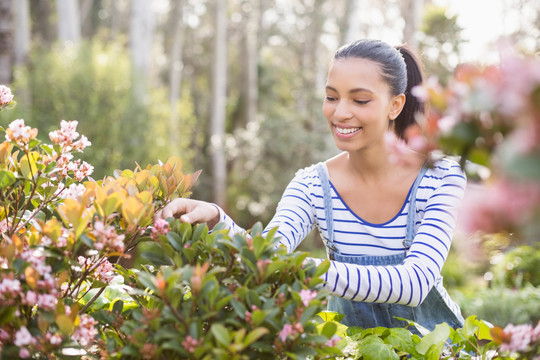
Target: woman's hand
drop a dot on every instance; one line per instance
(191, 211)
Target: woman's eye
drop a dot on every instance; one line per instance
(362, 102)
(330, 98)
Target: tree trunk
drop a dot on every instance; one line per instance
(140, 42)
(43, 32)
(69, 21)
(411, 11)
(22, 31)
(252, 60)
(219, 94)
(175, 74)
(6, 41)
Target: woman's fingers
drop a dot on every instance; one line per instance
(190, 211)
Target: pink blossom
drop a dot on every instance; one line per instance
(334, 340)
(161, 227)
(5, 96)
(396, 147)
(307, 296)
(23, 337)
(19, 132)
(24, 353)
(190, 344)
(4, 335)
(498, 206)
(74, 191)
(86, 331)
(55, 340)
(105, 272)
(521, 337)
(107, 239)
(31, 298)
(286, 332)
(47, 301)
(10, 288)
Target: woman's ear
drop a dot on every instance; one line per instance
(396, 106)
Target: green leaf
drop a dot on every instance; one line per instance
(221, 334)
(331, 316)
(433, 353)
(118, 306)
(437, 337)
(329, 329)
(400, 339)
(198, 231)
(255, 335)
(6, 179)
(175, 241)
(156, 258)
(374, 348)
(322, 268)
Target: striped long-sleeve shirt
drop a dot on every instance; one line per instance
(302, 208)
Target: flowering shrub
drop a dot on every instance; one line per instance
(491, 116)
(64, 292)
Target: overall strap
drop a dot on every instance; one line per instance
(410, 233)
(327, 195)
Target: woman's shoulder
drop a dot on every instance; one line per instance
(446, 166)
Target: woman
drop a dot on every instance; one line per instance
(387, 226)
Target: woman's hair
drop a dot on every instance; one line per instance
(401, 70)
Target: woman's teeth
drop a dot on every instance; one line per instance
(347, 130)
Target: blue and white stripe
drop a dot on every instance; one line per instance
(438, 197)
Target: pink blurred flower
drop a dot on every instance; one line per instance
(161, 227)
(24, 353)
(86, 331)
(521, 336)
(286, 332)
(307, 296)
(47, 301)
(55, 339)
(5, 96)
(23, 337)
(334, 340)
(107, 238)
(190, 343)
(499, 206)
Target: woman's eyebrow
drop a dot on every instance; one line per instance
(355, 90)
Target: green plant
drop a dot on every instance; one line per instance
(203, 295)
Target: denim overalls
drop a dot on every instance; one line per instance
(432, 311)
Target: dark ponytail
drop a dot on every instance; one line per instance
(399, 68)
(413, 106)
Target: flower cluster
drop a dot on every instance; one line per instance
(6, 97)
(520, 338)
(289, 330)
(19, 133)
(107, 239)
(161, 227)
(86, 331)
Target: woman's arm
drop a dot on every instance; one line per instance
(294, 215)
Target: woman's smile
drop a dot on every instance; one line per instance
(346, 132)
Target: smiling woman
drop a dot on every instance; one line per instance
(387, 226)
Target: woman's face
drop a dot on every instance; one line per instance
(358, 104)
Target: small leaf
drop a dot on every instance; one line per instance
(329, 329)
(437, 337)
(255, 335)
(221, 334)
(6, 179)
(373, 348)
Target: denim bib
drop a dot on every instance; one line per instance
(432, 311)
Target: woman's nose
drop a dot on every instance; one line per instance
(343, 110)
